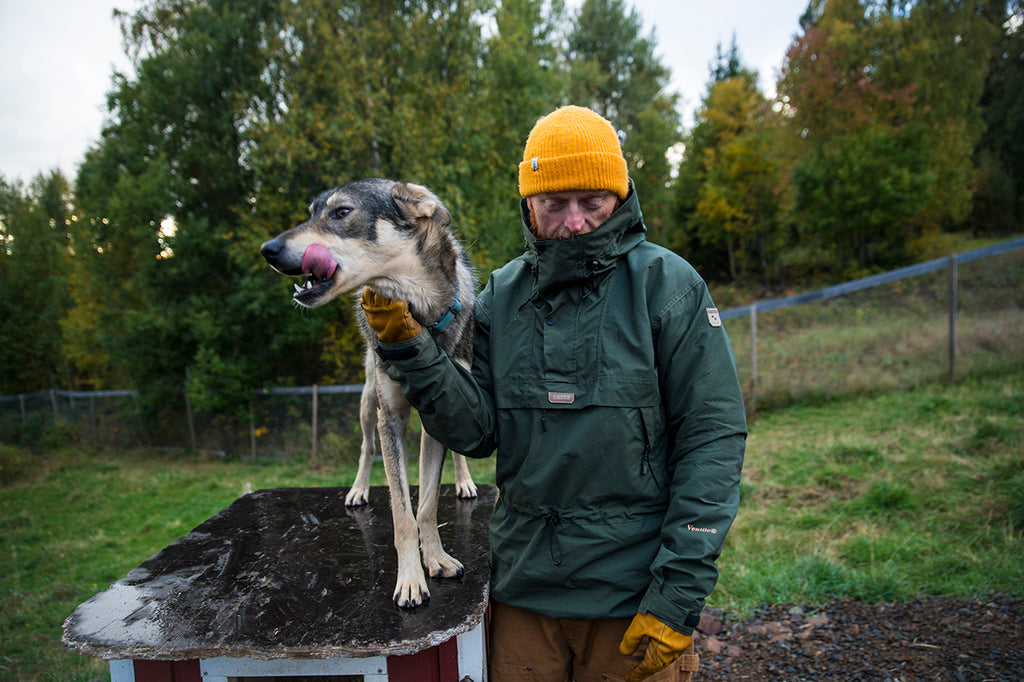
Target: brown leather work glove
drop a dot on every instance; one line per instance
(390, 319)
(664, 645)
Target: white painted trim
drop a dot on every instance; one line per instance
(122, 671)
(473, 654)
(373, 669)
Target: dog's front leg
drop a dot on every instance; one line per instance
(438, 562)
(359, 493)
(411, 586)
(464, 486)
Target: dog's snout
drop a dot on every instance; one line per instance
(281, 257)
(271, 249)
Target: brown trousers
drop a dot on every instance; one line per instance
(527, 647)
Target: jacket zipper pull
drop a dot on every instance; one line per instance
(554, 545)
(645, 461)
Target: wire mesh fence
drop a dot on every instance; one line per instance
(949, 318)
(280, 423)
(109, 418)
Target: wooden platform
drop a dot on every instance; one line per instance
(293, 578)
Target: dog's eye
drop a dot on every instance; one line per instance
(339, 213)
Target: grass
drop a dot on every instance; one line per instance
(884, 498)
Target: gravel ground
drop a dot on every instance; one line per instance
(925, 640)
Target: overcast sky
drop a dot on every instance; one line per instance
(57, 58)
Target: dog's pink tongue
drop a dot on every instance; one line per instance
(317, 261)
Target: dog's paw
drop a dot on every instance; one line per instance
(409, 595)
(357, 497)
(443, 566)
(465, 490)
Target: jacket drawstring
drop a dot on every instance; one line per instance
(553, 520)
(591, 283)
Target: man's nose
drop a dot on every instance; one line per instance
(576, 219)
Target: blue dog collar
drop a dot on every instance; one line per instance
(449, 314)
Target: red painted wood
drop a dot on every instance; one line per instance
(418, 667)
(187, 671)
(448, 660)
(153, 671)
(436, 664)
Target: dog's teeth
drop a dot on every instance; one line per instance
(298, 289)
(309, 284)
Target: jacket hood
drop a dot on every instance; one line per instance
(559, 263)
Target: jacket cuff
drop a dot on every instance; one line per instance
(408, 354)
(681, 620)
(390, 352)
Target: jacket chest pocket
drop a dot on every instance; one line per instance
(576, 343)
(559, 346)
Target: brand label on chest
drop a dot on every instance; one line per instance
(561, 398)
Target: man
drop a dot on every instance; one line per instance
(603, 377)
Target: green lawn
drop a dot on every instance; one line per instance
(884, 498)
(877, 498)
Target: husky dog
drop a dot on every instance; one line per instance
(394, 238)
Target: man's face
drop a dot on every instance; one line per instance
(560, 215)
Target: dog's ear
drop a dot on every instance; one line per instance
(419, 202)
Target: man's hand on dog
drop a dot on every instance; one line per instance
(664, 645)
(390, 319)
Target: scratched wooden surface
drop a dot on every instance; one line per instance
(289, 573)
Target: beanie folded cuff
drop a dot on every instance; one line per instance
(580, 171)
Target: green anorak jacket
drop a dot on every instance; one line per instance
(604, 379)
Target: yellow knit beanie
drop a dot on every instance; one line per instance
(573, 148)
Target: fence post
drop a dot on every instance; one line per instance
(94, 426)
(953, 287)
(188, 414)
(53, 404)
(753, 358)
(252, 428)
(315, 392)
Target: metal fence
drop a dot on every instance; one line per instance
(984, 303)
(947, 318)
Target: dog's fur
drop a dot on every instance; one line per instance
(394, 238)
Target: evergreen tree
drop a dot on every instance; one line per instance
(34, 227)
(524, 77)
(998, 202)
(616, 73)
(161, 195)
(370, 90)
(726, 64)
